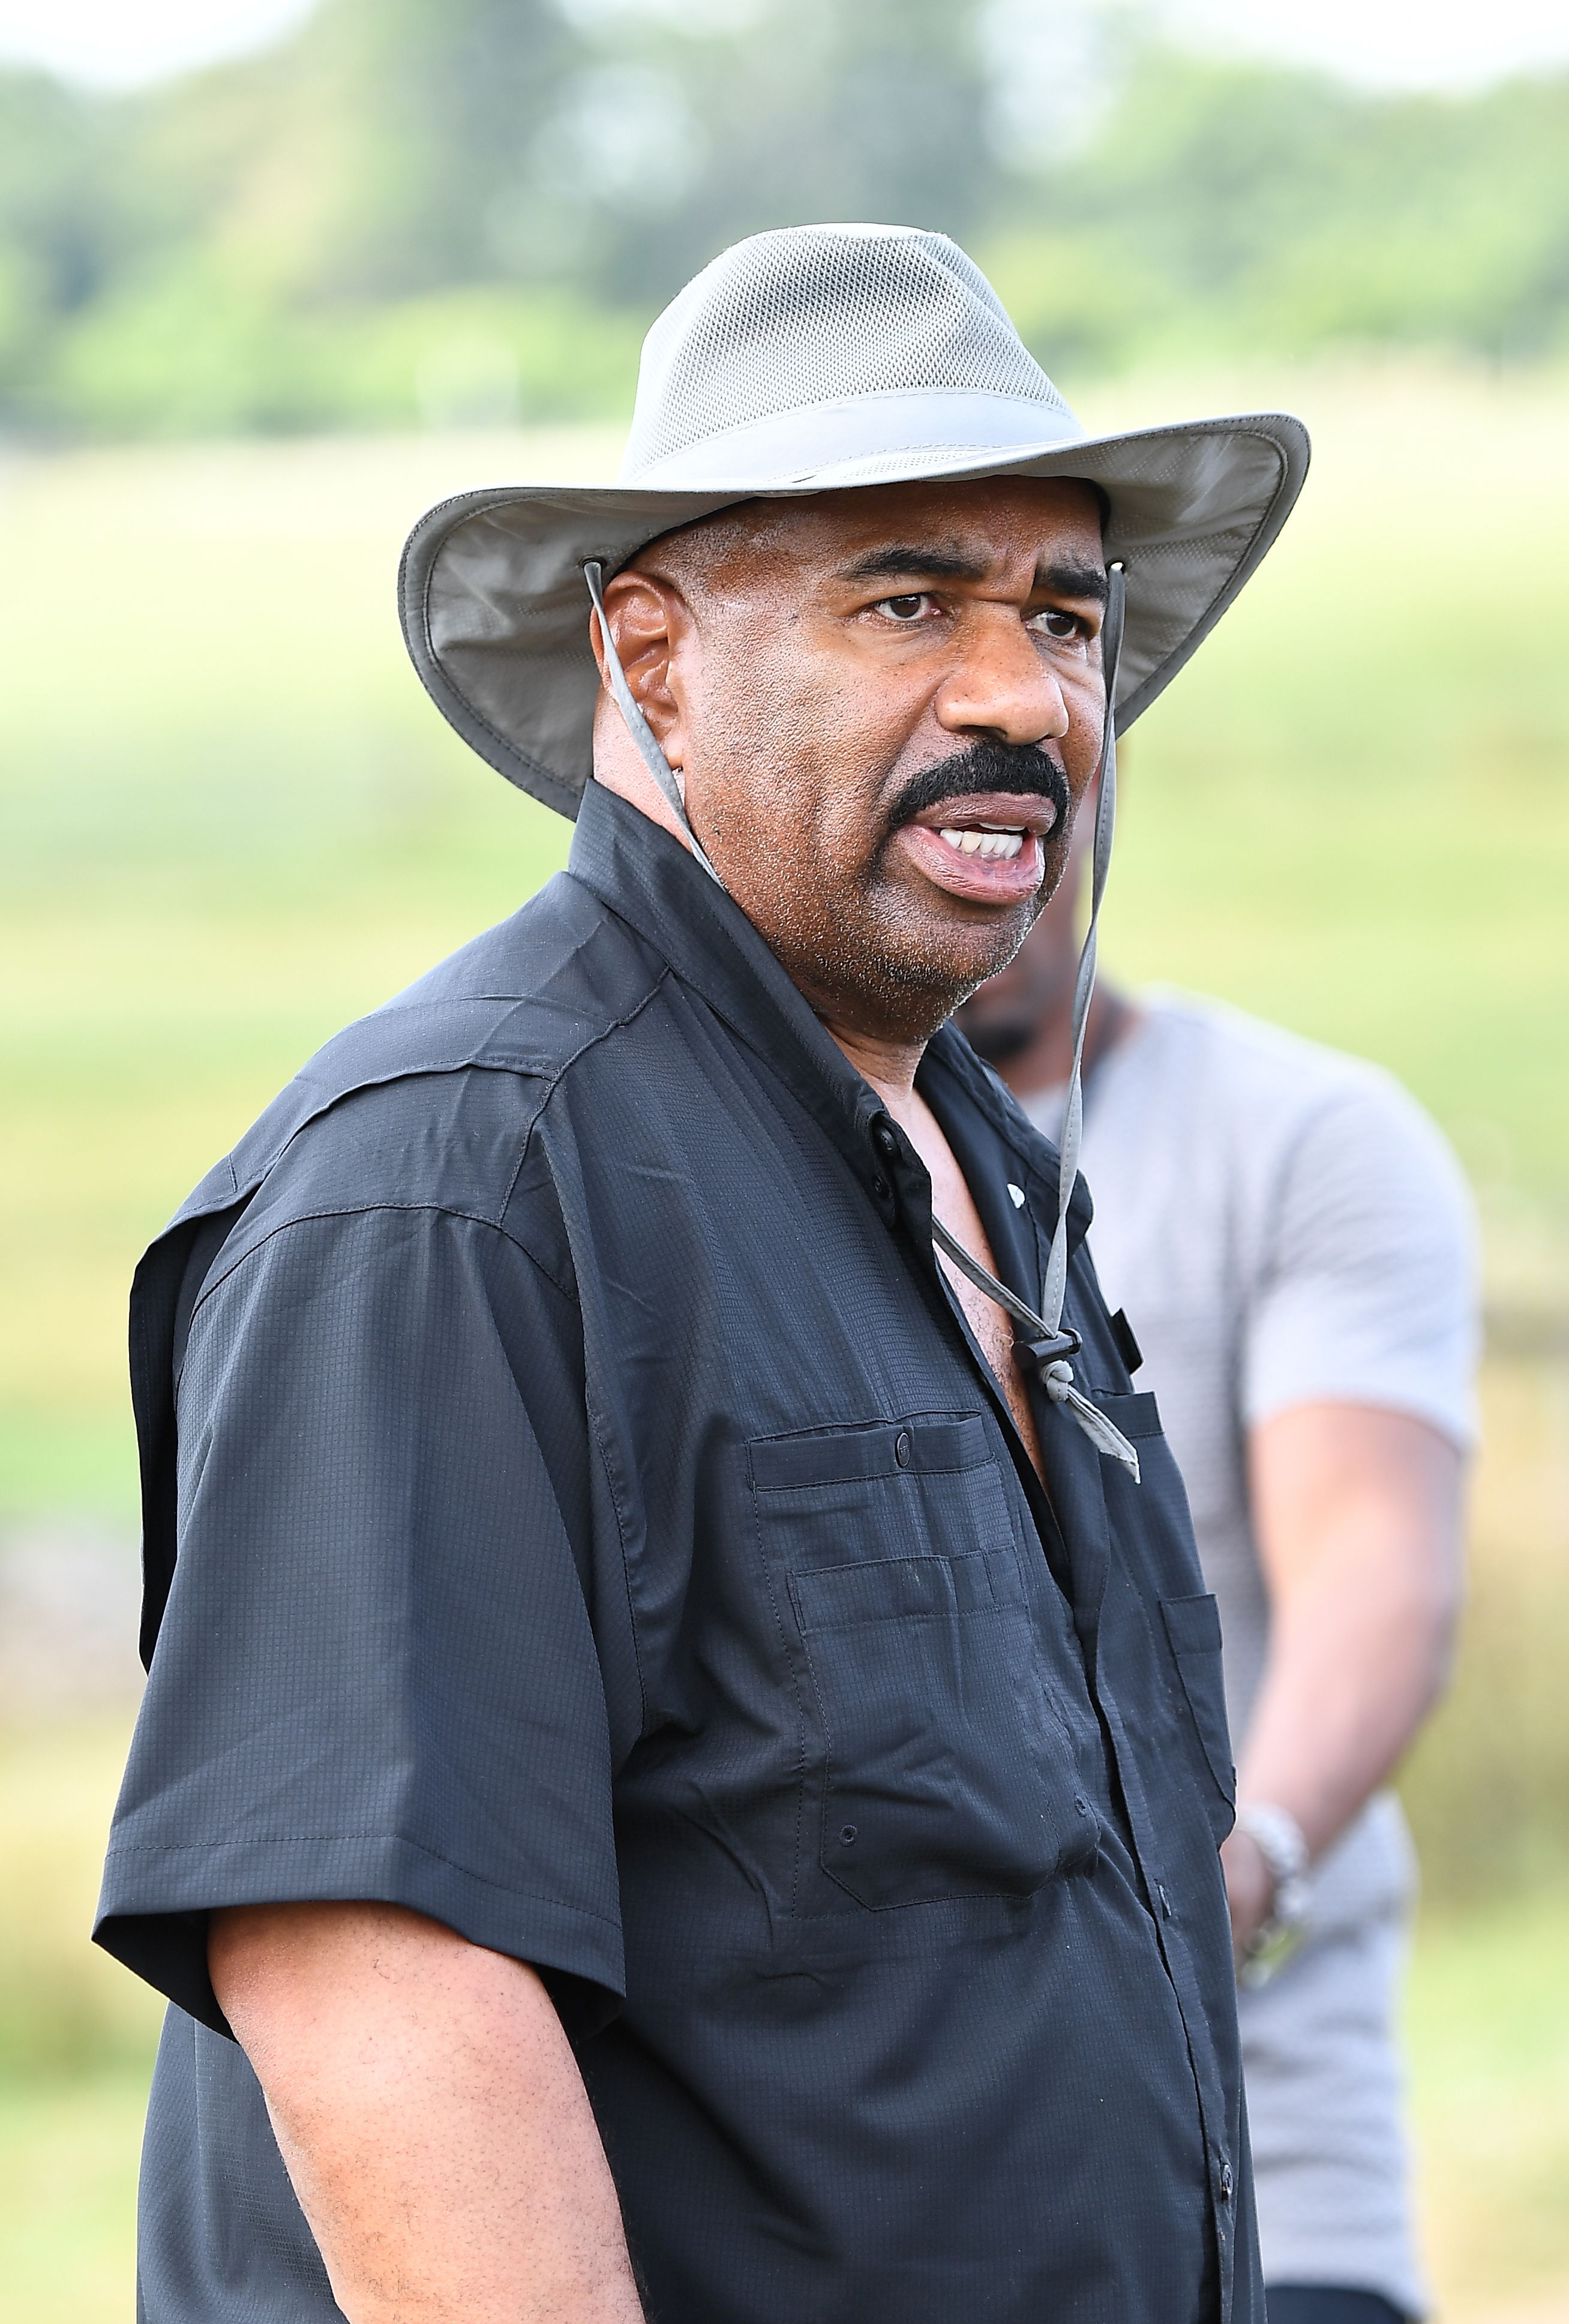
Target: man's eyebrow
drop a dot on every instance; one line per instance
(905, 561)
(1072, 580)
(901, 560)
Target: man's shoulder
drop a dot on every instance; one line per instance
(1225, 1065)
(559, 969)
(525, 998)
(1285, 1128)
(429, 1101)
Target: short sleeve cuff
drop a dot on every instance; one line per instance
(155, 1903)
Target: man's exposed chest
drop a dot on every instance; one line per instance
(954, 1204)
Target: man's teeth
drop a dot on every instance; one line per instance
(998, 846)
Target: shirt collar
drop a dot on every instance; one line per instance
(647, 878)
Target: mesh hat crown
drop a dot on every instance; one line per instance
(788, 326)
(812, 359)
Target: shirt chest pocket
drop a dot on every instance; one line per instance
(937, 1765)
(1193, 1628)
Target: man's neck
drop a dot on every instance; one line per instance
(890, 1065)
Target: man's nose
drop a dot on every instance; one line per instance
(1001, 684)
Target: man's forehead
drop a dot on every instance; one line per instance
(963, 529)
(1000, 515)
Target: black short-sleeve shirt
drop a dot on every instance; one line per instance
(576, 1510)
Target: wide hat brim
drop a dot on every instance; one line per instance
(496, 609)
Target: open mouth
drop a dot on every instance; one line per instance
(996, 842)
(987, 848)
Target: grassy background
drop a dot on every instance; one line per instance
(229, 820)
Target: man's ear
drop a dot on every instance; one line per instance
(647, 617)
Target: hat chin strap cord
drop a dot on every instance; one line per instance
(1047, 1350)
(1043, 1340)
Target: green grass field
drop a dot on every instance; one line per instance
(229, 820)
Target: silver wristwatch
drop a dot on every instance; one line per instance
(1278, 1838)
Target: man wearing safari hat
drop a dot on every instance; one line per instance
(684, 1753)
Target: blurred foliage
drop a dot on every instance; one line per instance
(64, 2006)
(1487, 2033)
(1486, 1784)
(1226, 205)
(465, 211)
(69, 2155)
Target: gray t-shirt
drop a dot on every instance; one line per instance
(1284, 1226)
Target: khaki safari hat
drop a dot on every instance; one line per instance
(811, 360)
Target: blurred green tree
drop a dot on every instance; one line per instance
(468, 209)
(804, 110)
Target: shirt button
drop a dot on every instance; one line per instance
(1082, 1804)
(1226, 2183)
(885, 1138)
(1164, 1902)
(847, 1835)
(902, 1448)
(881, 1189)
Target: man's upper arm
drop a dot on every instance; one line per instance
(1359, 1479)
(377, 1677)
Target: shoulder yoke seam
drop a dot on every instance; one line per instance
(476, 1218)
(365, 1210)
(616, 1025)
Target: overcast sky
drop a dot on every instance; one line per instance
(1420, 43)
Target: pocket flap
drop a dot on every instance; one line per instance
(894, 1590)
(884, 1448)
(1192, 1625)
(1137, 1415)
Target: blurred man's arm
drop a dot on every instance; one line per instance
(1357, 1512)
(431, 2115)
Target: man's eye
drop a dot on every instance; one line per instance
(1053, 623)
(904, 609)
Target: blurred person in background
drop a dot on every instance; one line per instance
(1292, 1242)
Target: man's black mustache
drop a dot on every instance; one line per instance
(1023, 768)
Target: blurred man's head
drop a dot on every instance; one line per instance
(884, 705)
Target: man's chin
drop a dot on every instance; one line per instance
(892, 954)
(927, 965)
